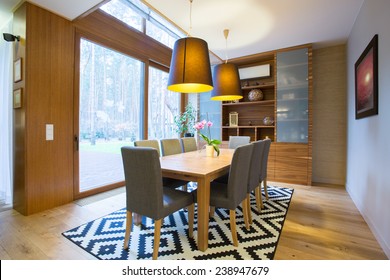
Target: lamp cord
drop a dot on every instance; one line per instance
(226, 34)
(190, 31)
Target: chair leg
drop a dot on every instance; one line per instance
(212, 211)
(249, 208)
(265, 188)
(129, 222)
(157, 231)
(233, 227)
(191, 210)
(245, 208)
(259, 198)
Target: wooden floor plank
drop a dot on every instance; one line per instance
(322, 224)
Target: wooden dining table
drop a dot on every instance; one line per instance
(197, 167)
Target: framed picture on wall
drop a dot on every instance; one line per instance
(18, 70)
(17, 98)
(366, 81)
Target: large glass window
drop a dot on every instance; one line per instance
(110, 112)
(163, 106)
(133, 12)
(122, 11)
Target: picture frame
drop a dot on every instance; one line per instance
(233, 119)
(17, 98)
(18, 70)
(366, 81)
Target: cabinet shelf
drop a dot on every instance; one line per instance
(292, 86)
(293, 100)
(263, 102)
(263, 85)
(249, 126)
(293, 65)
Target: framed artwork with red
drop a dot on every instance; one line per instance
(366, 81)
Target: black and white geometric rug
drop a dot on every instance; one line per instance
(104, 237)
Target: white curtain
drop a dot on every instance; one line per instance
(6, 122)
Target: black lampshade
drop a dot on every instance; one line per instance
(190, 70)
(226, 80)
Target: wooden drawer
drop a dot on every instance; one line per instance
(292, 163)
(291, 170)
(292, 151)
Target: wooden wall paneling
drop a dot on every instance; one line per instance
(48, 165)
(329, 115)
(19, 115)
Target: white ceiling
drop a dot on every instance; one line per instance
(255, 25)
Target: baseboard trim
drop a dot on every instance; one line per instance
(329, 181)
(385, 247)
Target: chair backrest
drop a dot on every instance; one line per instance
(238, 175)
(144, 189)
(170, 147)
(264, 162)
(148, 143)
(256, 164)
(188, 144)
(236, 141)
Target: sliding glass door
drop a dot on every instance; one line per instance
(110, 113)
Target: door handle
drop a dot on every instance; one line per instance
(76, 140)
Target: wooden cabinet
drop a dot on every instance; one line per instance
(287, 97)
(293, 116)
(251, 113)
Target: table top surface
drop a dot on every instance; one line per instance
(196, 162)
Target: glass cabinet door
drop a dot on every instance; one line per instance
(292, 96)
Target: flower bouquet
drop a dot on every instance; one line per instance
(210, 142)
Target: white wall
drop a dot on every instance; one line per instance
(368, 143)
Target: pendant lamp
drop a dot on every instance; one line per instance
(226, 80)
(190, 70)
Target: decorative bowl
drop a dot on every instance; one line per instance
(268, 121)
(255, 95)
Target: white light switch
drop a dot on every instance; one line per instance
(49, 132)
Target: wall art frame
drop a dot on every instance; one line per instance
(18, 70)
(366, 81)
(17, 98)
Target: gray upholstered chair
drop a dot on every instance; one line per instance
(254, 183)
(148, 143)
(170, 147)
(188, 144)
(263, 177)
(229, 195)
(236, 141)
(167, 182)
(146, 195)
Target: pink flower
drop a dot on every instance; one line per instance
(209, 123)
(199, 126)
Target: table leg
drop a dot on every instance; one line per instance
(203, 198)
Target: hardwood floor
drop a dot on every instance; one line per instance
(322, 224)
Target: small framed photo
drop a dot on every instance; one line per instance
(18, 70)
(17, 98)
(366, 81)
(233, 119)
